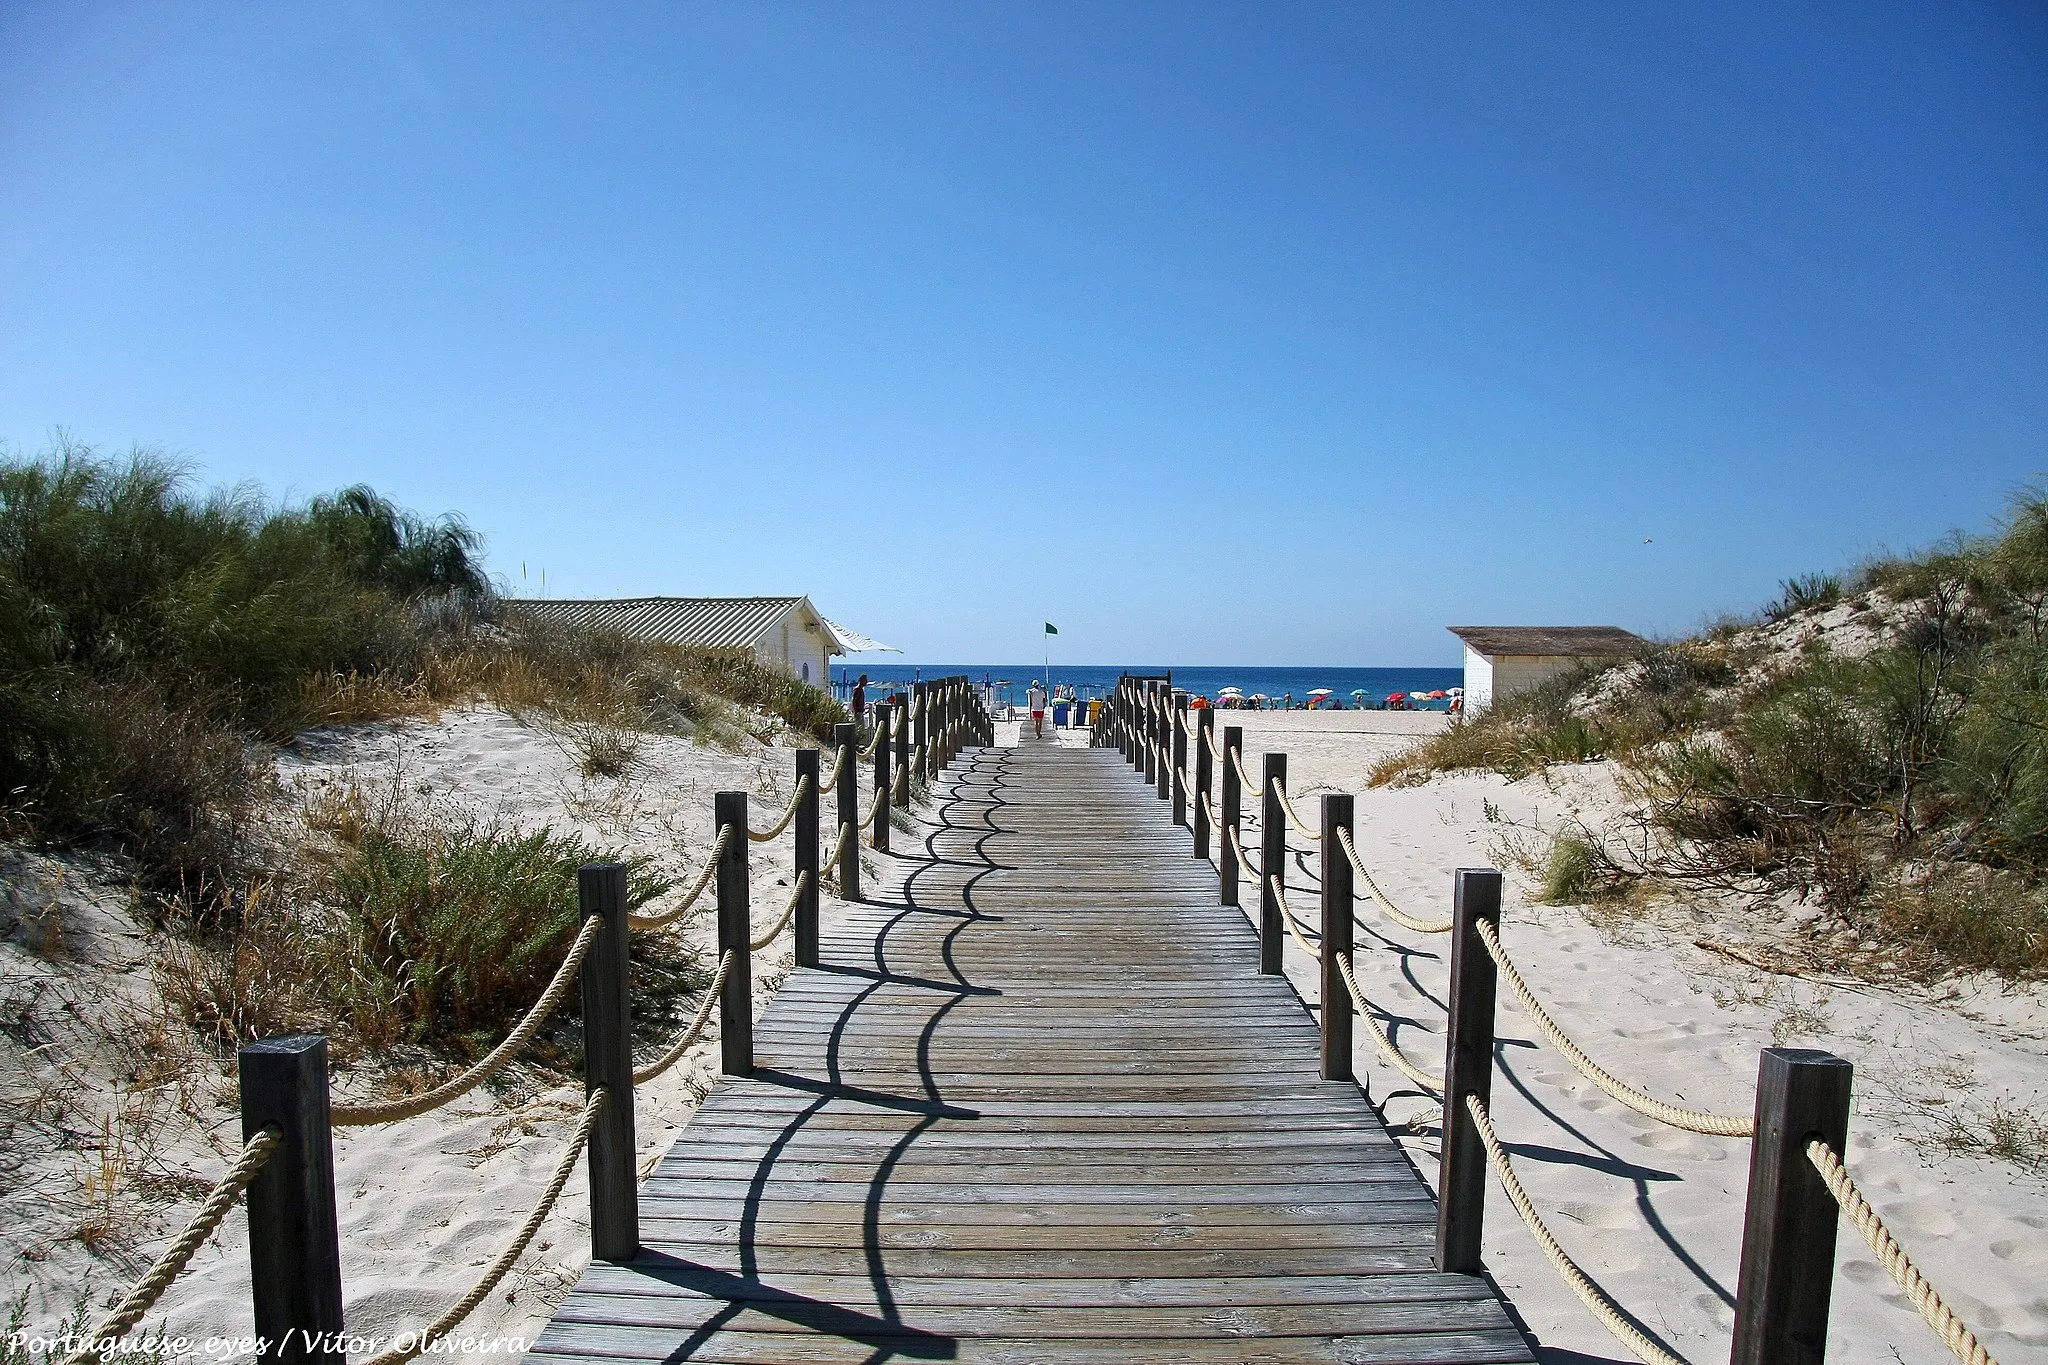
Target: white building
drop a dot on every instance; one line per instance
(783, 632)
(1503, 660)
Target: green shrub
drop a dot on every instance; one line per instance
(1805, 592)
(1573, 870)
(454, 930)
(470, 924)
(146, 630)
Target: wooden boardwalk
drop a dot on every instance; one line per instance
(1038, 1106)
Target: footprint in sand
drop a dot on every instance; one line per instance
(2020, 1252)
(1609, 1217)
(1680, 1144)
(1920, 1217)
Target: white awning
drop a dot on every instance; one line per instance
(855, 642)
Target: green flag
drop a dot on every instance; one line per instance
(1051, 629)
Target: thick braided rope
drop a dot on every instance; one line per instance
(874, 808)
(171, 1264)
(803, 787)
(1952, 1330)
(1592, 1295)
(448, 1321)
(1293, 818)
(831, 778)
(676, 912)
(838, 847)
(689, 1036)
(874, 743)
(499, 1057)
(1238, 847)
(1692, 1120)
(1394, 912)
(902, 782)
(1287, 918)
(1415, 1074)
(1237, 762)
(796, 894)
(1209, 739)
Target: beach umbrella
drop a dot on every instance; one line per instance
(1457, 692)
(1229, 691)
(1357, 691)
(1397, 696)
(1438, 695)
(1319, 692)
(1260, 696)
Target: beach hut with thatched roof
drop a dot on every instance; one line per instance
(1503, 660)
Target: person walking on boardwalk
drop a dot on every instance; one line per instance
(1036, 697)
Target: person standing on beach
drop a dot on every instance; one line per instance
(860, 700)
(1036, 698)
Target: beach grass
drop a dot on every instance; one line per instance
(1901, 785)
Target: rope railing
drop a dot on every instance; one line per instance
(831, 778)
(1953, 1331)
(1692, 1120)
(796, 894)
(688, 1038)
(1394, 912)
(838, 852)
(1237, 762)
(499, 1057)
(420, 1342)
(171, 1264)
(1287, 917)
(1794, 1088)
(1301, 826)
(1596, 1299)
(1366, 1011)
(677, 911)
(1237, 847)
(874, 742)
(762, 836)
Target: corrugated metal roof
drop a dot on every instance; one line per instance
(1571, 642)
(713, 622)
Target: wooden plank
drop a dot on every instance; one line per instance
(1036, 1103)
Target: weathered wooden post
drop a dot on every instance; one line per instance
(1149, 715)
(917, 727)
(1179, 721)
(1468, 1070)
(1337, 938)
(1163, 709)
(1272, 866)
(1124, 741)
(806, 840)
(901, 725)
(1226, 862)
(294, 1247)
(735, 936)
(883, 784)
(849, 813)
(608, 1059)
(1205, 776)
(1788, 1227)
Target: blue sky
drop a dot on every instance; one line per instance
(1251, 333)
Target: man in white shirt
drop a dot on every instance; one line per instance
(1037, 700)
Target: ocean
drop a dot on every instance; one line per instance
(1008, 681)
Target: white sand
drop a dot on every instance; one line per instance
(1652, 1213)
(426, 1203)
